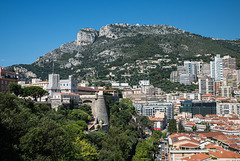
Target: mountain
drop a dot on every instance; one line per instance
(113, 50)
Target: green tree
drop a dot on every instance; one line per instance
(84, 151)
(172, 127)
(194, 128)
(44, 141)
(207, 127)
(181, 128)
(15, 88)
(78, 114)
(144, 151)
(34, 91)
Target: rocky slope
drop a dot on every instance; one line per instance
(95, 51)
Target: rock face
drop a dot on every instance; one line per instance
(107, 31)
(86, 36)
(24, 73)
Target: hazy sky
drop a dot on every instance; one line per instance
(31, 28)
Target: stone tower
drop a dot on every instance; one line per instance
(101, 109)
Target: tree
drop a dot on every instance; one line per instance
(34, 91)
(207, 127)
(15, 88)
(194, 128)
(84, 151)
(172, 127)
(181, 128)
(144, 151)
(45, 140)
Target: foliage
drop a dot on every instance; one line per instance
(172, 127)
(84, 151)
(78, 114)
(44, 141)
(181, 128)
(15, 88)
(87, 108)
(32, 131)
(207, 127)
(194, 128)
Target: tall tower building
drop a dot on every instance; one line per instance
(229, 62)
(192, 68)
(216, 68)
(206, 85)
(54, 85)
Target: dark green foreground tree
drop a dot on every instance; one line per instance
(172, 127)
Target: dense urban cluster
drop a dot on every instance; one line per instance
(109, 120)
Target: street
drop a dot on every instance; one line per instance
(162, 151)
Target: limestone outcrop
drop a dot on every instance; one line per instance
(86, 36)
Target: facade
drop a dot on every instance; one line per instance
(231, 81)
(120, 85)
(206, 85)
(224, 91)
(229, 62)
(198, 107)
(206, 69)
(62, 91)
(68, 85)
(186, 79)
(175, 76)
(228, 108)
(192, 68)
(216, 68)
(151, 109)
(159, 120)
(7, 77)
(144, 83)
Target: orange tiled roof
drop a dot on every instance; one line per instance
(211, 134)
(189, 145)
(197, 157)
(213, 146)
(207, 95)
(156, 119)
(224, 154)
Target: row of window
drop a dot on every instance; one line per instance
(4, 88)
(3, 82)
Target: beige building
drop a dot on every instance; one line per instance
(228, 108)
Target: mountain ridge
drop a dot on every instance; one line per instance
(117, 44)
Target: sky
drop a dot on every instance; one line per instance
(31, 28)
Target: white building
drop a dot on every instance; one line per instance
(216, 68)
(192, 68)
(186, 79)
(62, 91)
(228, 108)
(144, 83)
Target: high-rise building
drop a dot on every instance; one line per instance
(192, 68)
(228, 108)
(232, 81)
(186, 79)
(216, 68)
(206, 85)
(229, 62)
(206, 69)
